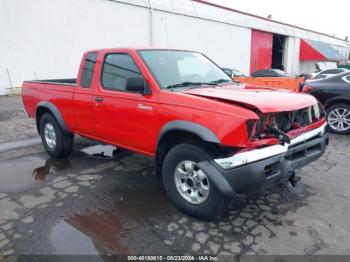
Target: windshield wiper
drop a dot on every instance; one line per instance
(185, 84)
(219, 81)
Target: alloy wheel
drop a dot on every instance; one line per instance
(191, 182)
(339, 119)
(50, 135)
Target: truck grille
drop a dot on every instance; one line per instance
(287, 121)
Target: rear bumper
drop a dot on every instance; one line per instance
(257, 172)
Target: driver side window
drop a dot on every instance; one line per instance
(117, 68)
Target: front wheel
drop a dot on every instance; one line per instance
(338, 117)
(56, 141)
(187, 186)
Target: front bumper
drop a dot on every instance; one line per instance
(260, 169)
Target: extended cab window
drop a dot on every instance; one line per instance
(117, 68)
(88, 69)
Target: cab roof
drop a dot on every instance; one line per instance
(128, 49)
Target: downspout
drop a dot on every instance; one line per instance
(151, 22)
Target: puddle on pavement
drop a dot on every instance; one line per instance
(50, 168)
(91, 234)
(20, 173)
(121, 207)
(101, 151)
(17, 174)
(25, 172)
(62, 237)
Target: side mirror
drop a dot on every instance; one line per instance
(137, 84)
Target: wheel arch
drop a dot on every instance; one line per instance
(47, 107)
(176, 132)
(337, 100)
(199, 130)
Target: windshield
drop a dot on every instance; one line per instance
(173, 68)
(280, 72)
(237, 73)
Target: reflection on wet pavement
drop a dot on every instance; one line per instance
(76, 190)
(50, 168)
(106, 151)
(15, 176)
(69, 241)
(110, 202)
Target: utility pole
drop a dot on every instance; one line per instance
(150, 22)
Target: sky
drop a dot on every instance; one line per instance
(330, 17)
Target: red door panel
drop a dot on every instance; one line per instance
(261, 50)
(84, 109)
(126, 119)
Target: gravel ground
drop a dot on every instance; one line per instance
(14, 125)
(92, 203)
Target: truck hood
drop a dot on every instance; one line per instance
(266, 100)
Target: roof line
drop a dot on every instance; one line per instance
(264, 18)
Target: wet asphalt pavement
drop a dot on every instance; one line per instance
(97, 203)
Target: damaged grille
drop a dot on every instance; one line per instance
(278, 124)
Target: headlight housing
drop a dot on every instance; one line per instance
(251, 128)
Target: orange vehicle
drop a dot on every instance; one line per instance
(290, 83)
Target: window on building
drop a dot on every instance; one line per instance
(117, 68)
(88, 69)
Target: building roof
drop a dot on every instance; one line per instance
(264, 18)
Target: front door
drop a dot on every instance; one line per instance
(121, 117)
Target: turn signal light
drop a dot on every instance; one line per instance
(307, 89)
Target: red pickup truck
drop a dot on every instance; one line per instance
(212, 139)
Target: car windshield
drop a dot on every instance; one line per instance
(280, 72)
(172, 68)
(237, 73)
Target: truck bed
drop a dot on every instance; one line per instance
(63, 81)
(58, 92)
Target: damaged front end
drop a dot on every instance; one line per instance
(281, 127)
(280, 133)
(281, 143)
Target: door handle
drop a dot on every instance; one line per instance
(99, 99)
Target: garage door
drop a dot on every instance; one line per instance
(261, 50)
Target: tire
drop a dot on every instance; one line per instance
(209, 204)
(56, 141)
(338, 118)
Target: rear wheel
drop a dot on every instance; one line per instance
(187, 186)
(338, 117)
(56, 141)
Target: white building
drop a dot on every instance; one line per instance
(43, 39)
